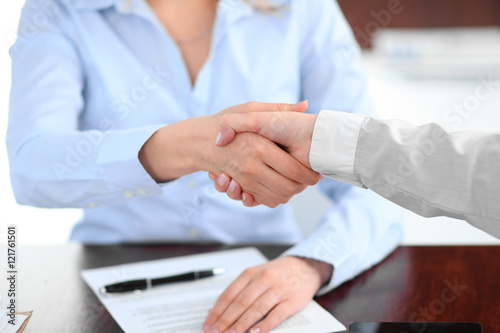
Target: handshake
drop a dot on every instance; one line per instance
(274, 141)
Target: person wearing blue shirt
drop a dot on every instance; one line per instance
(115, 107)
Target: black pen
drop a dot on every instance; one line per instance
(148, 283)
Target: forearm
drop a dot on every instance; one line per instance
(432, 172)
(176, 150)
(421, 168)
(79, 169)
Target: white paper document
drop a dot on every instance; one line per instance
(182, 307)
(6, 322)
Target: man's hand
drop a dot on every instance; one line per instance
(292, 130)
(278, 289)
(262, 169)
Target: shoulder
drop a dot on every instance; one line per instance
(46, 10)
(318, 14)
(42, 22)
(316, 8)
(320, 20)
(39, 14)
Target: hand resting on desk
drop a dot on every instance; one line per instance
(279, 288)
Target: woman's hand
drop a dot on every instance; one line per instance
(266, 171)
(278, 289)
(291, 130)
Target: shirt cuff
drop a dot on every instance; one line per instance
(333, 146)
(331, 251)
(119, 164)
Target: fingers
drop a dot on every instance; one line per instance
(233, 190)
(258, 107)
(221, 182)
(242, 121)
(292, 169)
(225, 184)
(249, 299)
(227, 297)
(271, 125)
(254, 312)
(272, 188)
(274, 318)
(260, 168)
(227, 133)
(263, 296)
(248, 200)
(235, 193)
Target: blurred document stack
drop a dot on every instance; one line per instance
(444, 53)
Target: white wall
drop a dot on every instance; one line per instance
(411, 100)
(34, 225)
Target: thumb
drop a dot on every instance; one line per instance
(271, 107)
(226, 134)
(299, 107)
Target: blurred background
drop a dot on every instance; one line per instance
(425, 60)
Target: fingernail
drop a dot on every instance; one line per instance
(232, 330)
(219, 137)
(214, 330)
(232, 186)
(300, 103)
(222, 180)
(244, 197)
(254, 330)
(205, 327)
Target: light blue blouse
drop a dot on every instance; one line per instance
(94, 79)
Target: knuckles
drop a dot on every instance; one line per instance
(251, 271)
(281, 106)
(314, 180)
(300, 188)
(224, 120)
(272, 274)
(223, 322)
(246, 167)
(252, 105)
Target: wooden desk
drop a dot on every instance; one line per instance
(413, 283)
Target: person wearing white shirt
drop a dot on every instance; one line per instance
(422, 168)
(114, 108)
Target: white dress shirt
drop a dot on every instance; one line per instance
(94, 79)
(422, 168)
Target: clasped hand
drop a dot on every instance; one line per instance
(291, 130)
(250, 162)
(254, 166)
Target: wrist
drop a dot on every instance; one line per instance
(170, 153)
(310, 129)
(203, 134)
(324, 270)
